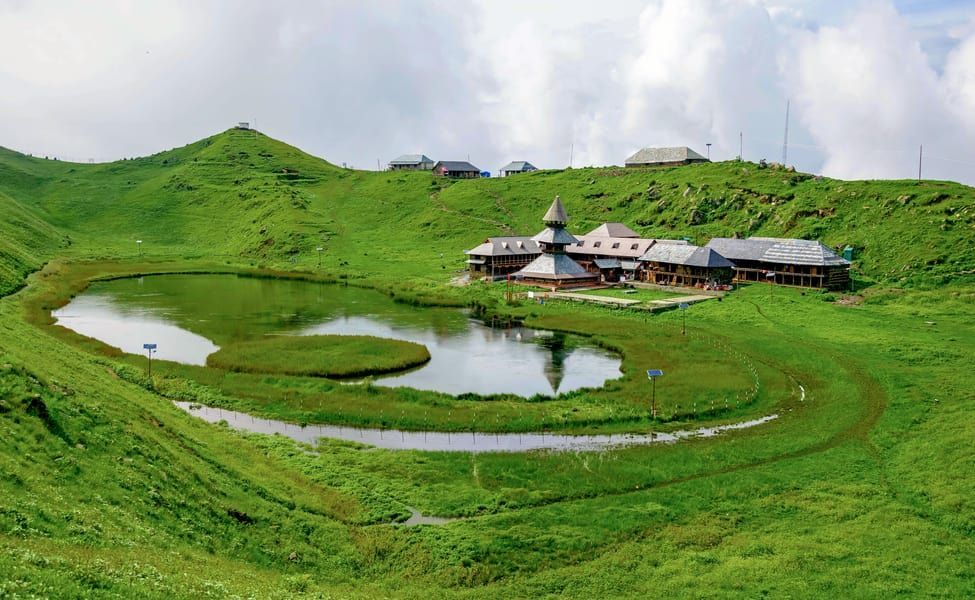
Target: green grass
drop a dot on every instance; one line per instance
(863, 489)
(639, 294)
(320, 356)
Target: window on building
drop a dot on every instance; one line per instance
(596, 244)
(634, 246)
(616, 244)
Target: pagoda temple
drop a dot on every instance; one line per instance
(554, 268)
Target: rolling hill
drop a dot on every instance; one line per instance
(243, 195)
(861, 488)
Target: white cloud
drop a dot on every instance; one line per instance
(869, 97)
(497, 80)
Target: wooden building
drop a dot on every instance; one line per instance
(803, 263)
(686, 265)
(664, 157)
(613, 250)
(499, 256)
(411, 162)
(553, 268)
(458, 169)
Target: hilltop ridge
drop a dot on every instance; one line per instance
(242, 194)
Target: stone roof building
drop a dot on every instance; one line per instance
(685, 264)
(664, 157)
(618, 230)
(502, 255)
(787, 261)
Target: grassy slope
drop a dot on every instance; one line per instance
(110, 490)
(320, 356)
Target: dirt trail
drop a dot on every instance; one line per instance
(874, 403)
(435, 198)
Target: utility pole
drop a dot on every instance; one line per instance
(572, 149)
(741, 145)
(785, 143)
(709, 150)
(920, 156)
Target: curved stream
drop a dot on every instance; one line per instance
(440, 441)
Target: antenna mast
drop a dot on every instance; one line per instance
(785, 143)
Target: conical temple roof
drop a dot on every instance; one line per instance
(556, 214)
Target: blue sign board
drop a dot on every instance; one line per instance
(654, 373)
(684, 305)
(148, 346)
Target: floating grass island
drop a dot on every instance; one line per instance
(320, 356)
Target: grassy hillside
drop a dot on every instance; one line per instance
(862, 487)
(240, 194)
(25, 242)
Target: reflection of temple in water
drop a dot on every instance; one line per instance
(554, 358)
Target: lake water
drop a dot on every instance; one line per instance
(191, 316)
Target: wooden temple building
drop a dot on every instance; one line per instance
(803, 263)
(554, 268)
(613, 252)
(500, 256)
(686, 265)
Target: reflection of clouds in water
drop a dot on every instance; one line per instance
(466, 355)
(486, 360)
(97, 317)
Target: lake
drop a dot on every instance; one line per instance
(191, 316)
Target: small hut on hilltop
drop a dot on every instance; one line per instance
(457, 169)
(664, 157)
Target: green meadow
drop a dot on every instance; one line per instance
(320, 356)
(861, 487)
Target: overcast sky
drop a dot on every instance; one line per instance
(499, 80)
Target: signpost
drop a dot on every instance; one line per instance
(149, 348)
(319, 250)
(652, 375)
(683, 325)
(770, 277)
(138, 244)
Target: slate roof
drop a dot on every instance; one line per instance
(457, 165)
(555, 267)
(587, 244)
(555, 235)
(411, 159)
(687, 255)
(607, 263)
(518, 166)
(505, 246)
(651, 156)
(783, 251)
(556, 213)
(618, 230)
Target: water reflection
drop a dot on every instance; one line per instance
(438, 441)
(127, 329)
(189, 316)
